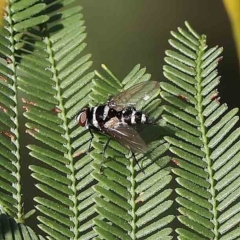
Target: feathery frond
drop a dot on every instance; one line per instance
(55, 76)
(86, 196)
(19, 15)
(11, 230)
(131, 204)
(206, 144)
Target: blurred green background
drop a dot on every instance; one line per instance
(124, 33)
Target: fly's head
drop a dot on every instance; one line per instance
(82, 118)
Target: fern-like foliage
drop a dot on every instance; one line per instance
(206, 146)
(19, 15)
(131, 204)
(55, 76)
(10, 229)
(91, 196)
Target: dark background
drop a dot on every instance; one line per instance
(124, 33)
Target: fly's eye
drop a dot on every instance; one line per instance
(82, 119)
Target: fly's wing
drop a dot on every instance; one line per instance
(131, 96)
(125, 135)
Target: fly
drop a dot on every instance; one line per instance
(118, 116)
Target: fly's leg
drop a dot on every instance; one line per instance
(90, 143)
(103, 155)
(105, 146)
(134, 157)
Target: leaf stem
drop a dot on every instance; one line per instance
(15, 119)
(68, 155)
(133, 198)
(206, 149)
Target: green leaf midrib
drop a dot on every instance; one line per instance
(68, 146)
(16, 141)
(203, 131)
(132, 202)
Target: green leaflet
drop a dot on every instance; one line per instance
(78, 201)
(54, 73)
(11, 229)
(18, 16)
(132, 205)
(199, 119)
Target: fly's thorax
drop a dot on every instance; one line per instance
(95, 117)
(101, 114)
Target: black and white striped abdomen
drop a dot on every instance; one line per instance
(98, 116)
(131, 116)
